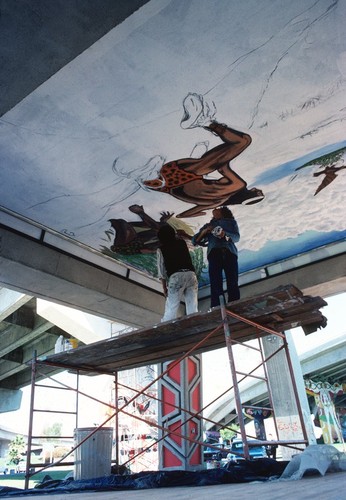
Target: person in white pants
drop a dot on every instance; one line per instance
(177, 274)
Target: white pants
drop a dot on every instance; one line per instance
(181, 284)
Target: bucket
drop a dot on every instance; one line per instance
(93, 458)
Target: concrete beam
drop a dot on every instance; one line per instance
(16, 336)
(11, 301)
(332, 355)
(78, 324)
(39, 270)
(15, 374)
(10, 400)
(323, 278)
(128, 296)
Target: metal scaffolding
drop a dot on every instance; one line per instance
(226, 320)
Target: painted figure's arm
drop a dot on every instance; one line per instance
(149, 221)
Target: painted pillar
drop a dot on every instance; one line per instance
(180, 388)
(324, 394)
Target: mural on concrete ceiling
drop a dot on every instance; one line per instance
(190, 180)
(136, 242)
(153, 124)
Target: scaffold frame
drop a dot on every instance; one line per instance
(225, 322)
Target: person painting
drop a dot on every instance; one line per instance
(220, 236)
(176, 272)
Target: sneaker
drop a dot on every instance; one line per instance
(197, 111)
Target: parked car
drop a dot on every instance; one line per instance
(21, 466)
(215, 451)
(237, 450)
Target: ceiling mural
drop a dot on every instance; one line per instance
(184, 107)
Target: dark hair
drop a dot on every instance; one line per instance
(226, 213)
(166, 234)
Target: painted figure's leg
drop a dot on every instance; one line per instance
(234, 143)
(198, 111)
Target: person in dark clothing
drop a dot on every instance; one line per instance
(176, 272)
(271, 449)
(220, 236)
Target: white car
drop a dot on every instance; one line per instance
(21, 466)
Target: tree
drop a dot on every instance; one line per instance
(228, 433)
(53, 431)
(16, 448)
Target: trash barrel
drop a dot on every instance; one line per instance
(93, 458)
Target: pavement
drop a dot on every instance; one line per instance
(331, 486)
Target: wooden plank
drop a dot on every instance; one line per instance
(279, 310)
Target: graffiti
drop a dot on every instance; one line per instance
(324, 394)
(187, 178)
(342, 418)
(288, 426)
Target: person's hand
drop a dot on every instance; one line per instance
(204, 233)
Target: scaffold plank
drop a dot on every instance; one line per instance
(278, 310)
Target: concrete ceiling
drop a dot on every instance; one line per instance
(91, 104)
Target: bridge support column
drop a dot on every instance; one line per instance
(181, 392)
(288, 416)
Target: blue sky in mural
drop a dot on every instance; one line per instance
(289, 168)
(73, 153)
(278, 250)
(274, 251)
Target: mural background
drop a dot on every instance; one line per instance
(73, 153)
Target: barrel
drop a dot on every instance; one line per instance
(93, 458)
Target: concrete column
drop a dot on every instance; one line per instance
(288, 422)
(299, 379)
(181, 386)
